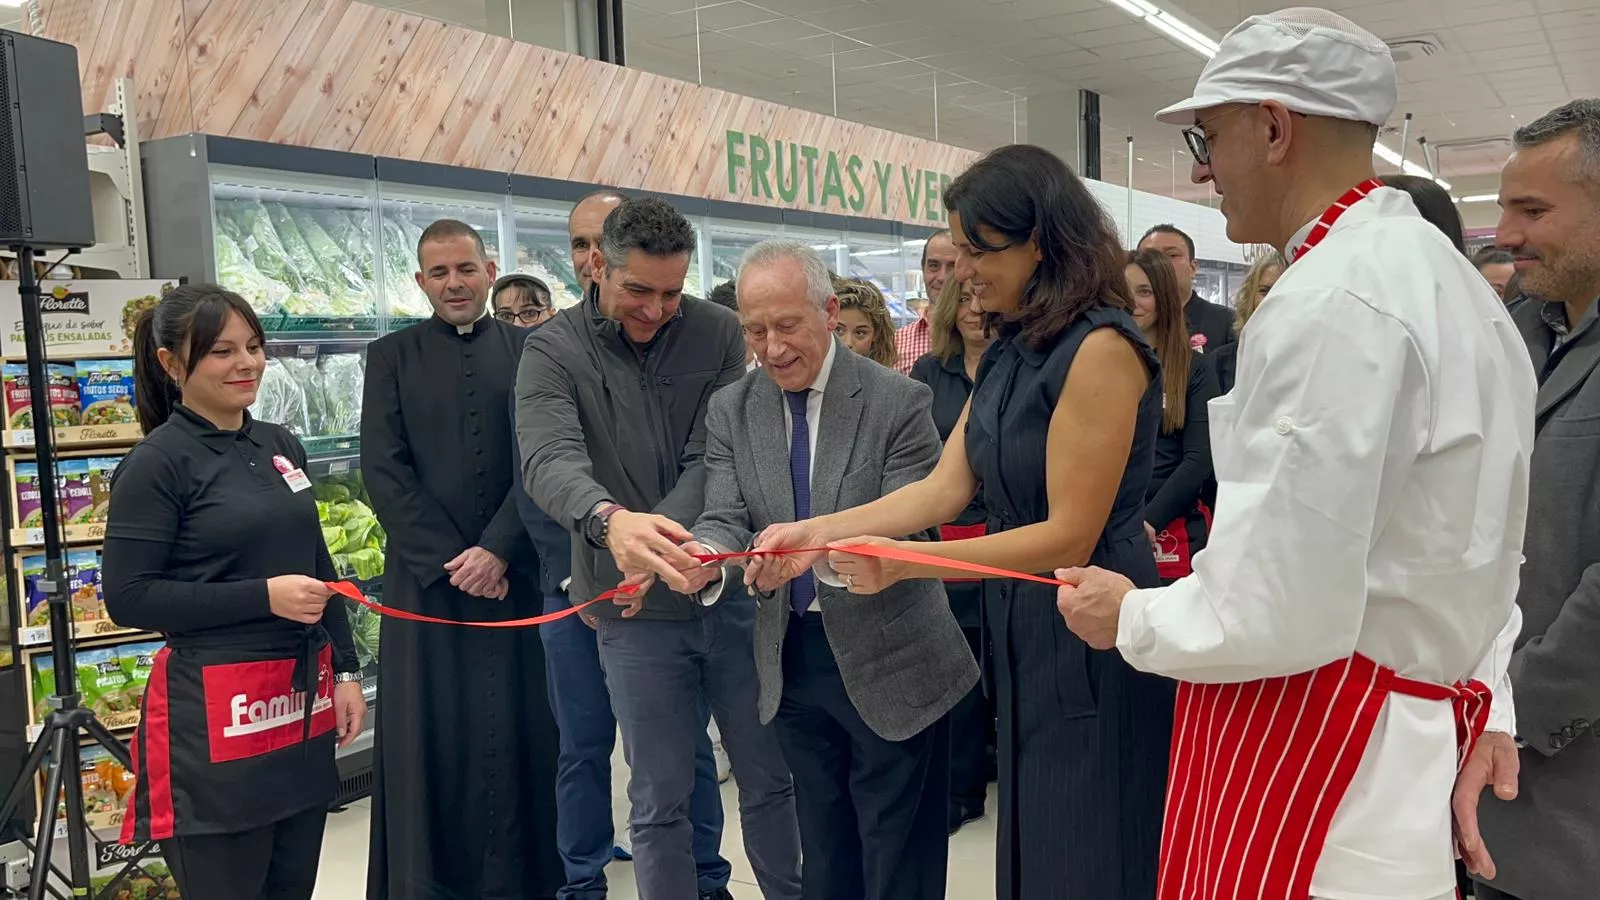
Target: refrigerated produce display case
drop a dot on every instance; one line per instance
(543, 249)
(323, 246)
(725, 243)
(888, 263)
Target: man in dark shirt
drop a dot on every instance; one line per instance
(611, 405)
(1210, 324)
(577, 686)
(464, 765)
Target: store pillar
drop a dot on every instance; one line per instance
(1067, 123)
(557, 24)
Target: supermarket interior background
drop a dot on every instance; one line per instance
(294, 151)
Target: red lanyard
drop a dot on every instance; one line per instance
(1325, 224)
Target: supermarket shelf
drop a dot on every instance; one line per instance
(93, 532)
(311, 346)
(119, 723)
(332, 454)
(78, 436)
(96, 630)
(283, 326)
(108, 822)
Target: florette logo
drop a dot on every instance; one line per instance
(62, 300)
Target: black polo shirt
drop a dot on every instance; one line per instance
(199, 519)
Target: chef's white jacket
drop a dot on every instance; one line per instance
(1372, 472)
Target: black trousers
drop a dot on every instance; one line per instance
(275, 862)
(971, 736)
(873, 813)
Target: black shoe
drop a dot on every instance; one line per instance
(961, 815)
(720, 893)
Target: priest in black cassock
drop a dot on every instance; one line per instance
(464, 788)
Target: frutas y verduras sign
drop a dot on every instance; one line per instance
(826, 181)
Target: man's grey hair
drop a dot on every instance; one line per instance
(648, 225)
(1580, 117)
(819, 285)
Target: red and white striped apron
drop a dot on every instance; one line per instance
(1259, 768)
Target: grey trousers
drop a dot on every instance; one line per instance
(657, 674)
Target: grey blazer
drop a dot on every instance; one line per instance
(1546, 843)
(903, 658)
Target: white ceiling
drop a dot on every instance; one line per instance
(882, 62)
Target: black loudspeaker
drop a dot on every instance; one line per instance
(44, 168)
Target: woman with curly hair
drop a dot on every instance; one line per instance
(864, 323)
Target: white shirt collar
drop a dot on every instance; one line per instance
(1299, 239)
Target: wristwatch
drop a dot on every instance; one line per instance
(342, 677)
(598, 525)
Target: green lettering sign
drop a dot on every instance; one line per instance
(820, 178)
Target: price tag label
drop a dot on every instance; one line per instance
(33, 536)
(33, 734)
(339, 467)
(308, 351)
(22, 438)
(35, 634)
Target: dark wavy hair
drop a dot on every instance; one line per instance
(1023, 192)
(186, 323)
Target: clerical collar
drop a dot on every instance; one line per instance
(461, 331)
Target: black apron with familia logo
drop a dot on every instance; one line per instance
(223, 745)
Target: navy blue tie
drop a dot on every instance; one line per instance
(803, 590)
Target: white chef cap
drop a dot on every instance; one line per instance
(1312, 61)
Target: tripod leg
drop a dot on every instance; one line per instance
(77, 826)
(25, 777)
(46, 840)
(112, 743)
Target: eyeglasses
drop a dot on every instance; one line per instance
(1195, 135)
(530, 316)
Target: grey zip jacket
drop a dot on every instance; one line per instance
(600, 418)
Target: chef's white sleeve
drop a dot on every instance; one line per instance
(1492, 670)
(1299, 449)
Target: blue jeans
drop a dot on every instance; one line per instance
(582, 708)
(661, 675)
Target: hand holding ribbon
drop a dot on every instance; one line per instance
(1090, 600)
(782, 552)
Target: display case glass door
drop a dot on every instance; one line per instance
(544, 250)
(404, 212)
(728, 242)
(880, 260)
(299, 248)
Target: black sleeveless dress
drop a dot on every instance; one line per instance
(1083, 737)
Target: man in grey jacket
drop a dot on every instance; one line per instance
(611, 401)
(859, 687)
(1546, 842)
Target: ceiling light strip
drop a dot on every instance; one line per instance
(1190, 37)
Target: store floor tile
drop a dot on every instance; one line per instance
(343, 875)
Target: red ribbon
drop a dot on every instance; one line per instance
(347, 589)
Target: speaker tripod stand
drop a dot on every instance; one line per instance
(55, 751)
